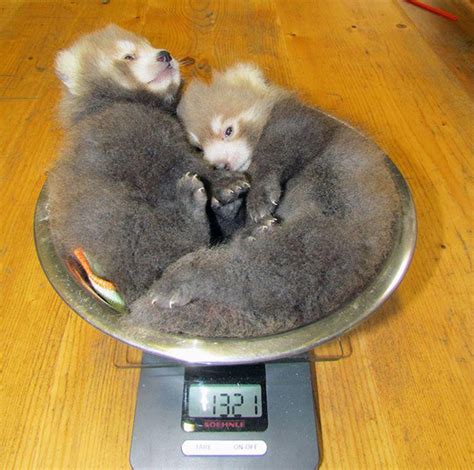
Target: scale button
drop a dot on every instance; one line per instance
(236, 447)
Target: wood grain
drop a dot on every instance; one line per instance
(395, 393)
(451, 40)
(402, 397)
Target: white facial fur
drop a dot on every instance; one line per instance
(235, 155)
(248, 115)
(144, 65)
(194, 139)
(232, 152)
(72, 65)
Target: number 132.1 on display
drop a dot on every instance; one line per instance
(225, 401)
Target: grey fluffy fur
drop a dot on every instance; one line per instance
(120, 189)
(336, 208)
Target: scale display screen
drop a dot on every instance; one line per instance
(225, 401)
(225, 398)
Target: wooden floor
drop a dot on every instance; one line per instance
(403, 396)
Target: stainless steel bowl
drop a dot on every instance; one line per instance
(229, 350)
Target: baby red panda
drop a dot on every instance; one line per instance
(128, 190)
(330, 188)
(116, 63)
(226, 120)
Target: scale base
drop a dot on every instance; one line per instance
(290, 441)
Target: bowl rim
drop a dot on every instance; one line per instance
(200, 350)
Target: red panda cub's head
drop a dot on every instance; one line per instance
(119, 58)
(226, 117)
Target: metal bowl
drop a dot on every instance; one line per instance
(229, 350)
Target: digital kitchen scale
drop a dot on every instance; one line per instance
(240, 416)
(253, 416)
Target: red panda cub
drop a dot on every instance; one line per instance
(128, 195)
(321, 211)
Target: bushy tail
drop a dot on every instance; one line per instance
(206, 319)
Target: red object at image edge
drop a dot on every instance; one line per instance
(437, 11)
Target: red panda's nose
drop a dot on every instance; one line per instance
(163, 56)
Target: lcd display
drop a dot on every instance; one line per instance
(225, 401)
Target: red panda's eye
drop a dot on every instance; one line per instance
(228, 132)
(129, 57)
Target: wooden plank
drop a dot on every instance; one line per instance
(401, 399)
(65, 404)
(405, 388)
(451, 40)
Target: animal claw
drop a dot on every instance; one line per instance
(228, 192)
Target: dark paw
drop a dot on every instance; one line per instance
(170, 297)
(264, 227)
(228, 211)
(172, 290)
(177, 286)
(227, 187)
(192, 196)
(262, 201)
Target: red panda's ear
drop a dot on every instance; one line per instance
(193, 93)
(193, 138)
(245, 74)
(113, 28)
(216, 75)
(67, 69)
(192, 99)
